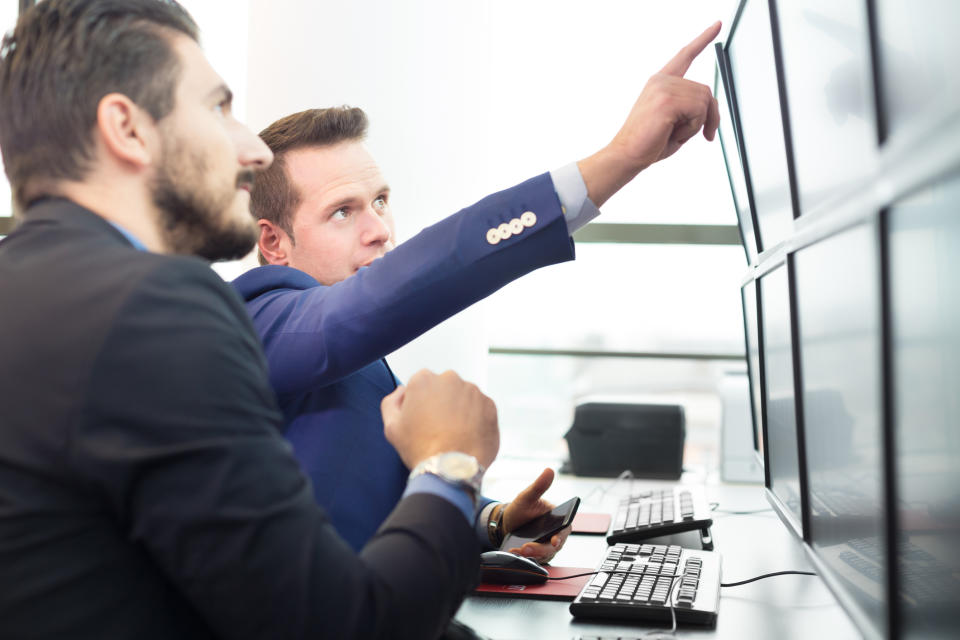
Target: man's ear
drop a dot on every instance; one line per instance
(126, 131)
(274, 243)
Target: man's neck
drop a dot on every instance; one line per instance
(127, 208)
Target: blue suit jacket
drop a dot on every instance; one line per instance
(325, 344)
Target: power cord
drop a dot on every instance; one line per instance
(604, 490)
(714, 508)
(767, 575)
(722, 584)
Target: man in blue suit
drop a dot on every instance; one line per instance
(334, 296)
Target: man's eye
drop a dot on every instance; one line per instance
(380, 203)
(339, 214)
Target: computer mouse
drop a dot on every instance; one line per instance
(503, 567)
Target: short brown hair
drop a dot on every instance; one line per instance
(274, 197)
(60, 60)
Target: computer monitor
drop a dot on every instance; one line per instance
(754, 85)
(779, 402)
(751, 334)
(840, 340)
(733, 162)
(827, 77)
(924, 284)
(917, 51)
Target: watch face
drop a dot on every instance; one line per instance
(459, 465)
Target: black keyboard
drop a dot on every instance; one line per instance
(636, 582)
(659, 512)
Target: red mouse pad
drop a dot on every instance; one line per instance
(550, 590)
(591, 523)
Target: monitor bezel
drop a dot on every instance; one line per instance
(731, 91)
(799, 528)
(720, 80)
(757, 426)
(860, 619)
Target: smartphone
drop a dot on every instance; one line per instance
(542, 528)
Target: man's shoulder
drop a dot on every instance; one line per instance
(268, 278)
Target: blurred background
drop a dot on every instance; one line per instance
(467, 98)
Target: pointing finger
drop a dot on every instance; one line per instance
(682, 61)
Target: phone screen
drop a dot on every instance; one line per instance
(541, 528)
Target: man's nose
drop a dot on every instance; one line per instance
(252, 152)
(375, 227)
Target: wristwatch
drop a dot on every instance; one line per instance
(460, 469)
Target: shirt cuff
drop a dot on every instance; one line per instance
(429, 483)
(483, 517)
(578, 209)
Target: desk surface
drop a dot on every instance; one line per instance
(784, 607)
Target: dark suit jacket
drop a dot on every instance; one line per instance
(325, 345)
(145, 490)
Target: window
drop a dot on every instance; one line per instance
(8, 18)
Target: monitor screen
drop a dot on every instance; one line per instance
(917, 50)
(825, 48)
(840, 349)
(735, 171)
(751, 333)
(924, 276)
(780, 417)
(753, 81)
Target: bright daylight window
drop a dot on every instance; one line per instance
(8, 18)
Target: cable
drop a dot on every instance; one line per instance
(714, 507)
(624, 475)
(722, 584)
(743, 513)
(767, 575)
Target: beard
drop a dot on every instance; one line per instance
(195, 216)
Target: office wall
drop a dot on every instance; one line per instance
(8, 18)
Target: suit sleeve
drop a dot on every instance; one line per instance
(316, 336)
(181, 436)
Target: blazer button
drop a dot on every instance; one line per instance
(504, 231)
(493, 236)
(516, 226)
(528, 218)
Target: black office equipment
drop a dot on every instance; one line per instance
(923, 236)
(754, 91)
(828, 90)
(542, 528)
(733, 159)
(751, 336)
(607, 439)
(779, 410)
(660, 512)
(840, 351)
(503, 567)
(636, 582)
(848, 116)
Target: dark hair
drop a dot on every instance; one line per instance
(274, 197)
(60, 60)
